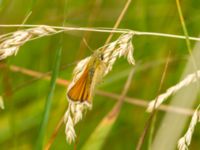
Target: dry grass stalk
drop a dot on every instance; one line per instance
(106, 56)
(132, 101)
(103, 30)
(185, 141)
(1, 102)
(10, 43)
(191, 78)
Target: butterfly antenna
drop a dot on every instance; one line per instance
(87, 45)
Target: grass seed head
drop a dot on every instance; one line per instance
(10, 44)
(185, 141)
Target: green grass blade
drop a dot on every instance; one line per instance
(39, 144)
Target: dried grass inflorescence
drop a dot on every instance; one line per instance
(185, 141)
(191, 78)
(10, 43)
(1, 102)
(87, 74)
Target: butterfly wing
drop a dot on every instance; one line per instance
(81, 90)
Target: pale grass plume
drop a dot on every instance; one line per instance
(107, 56)
(11, 42)
(185, 141)
(69, 127)
(121, 47)
(1, 102)
(72, 116)
(191, 78)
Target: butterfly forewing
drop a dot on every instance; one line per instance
(81, 90)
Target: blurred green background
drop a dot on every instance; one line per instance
(25, 100)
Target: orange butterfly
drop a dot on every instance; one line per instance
(83, 88)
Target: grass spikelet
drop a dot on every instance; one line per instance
(72, 116)
(191, 78)
(185, 141)
(10, 43)
(121, 47)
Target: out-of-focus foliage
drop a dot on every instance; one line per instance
(24, 100)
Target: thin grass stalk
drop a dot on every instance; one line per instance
(102, 30)
(151, 132)
(152, 127)
(54, 134)
(185, 31)
(132, 101)
(128, 2)
(149, 124)
(184, 28)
